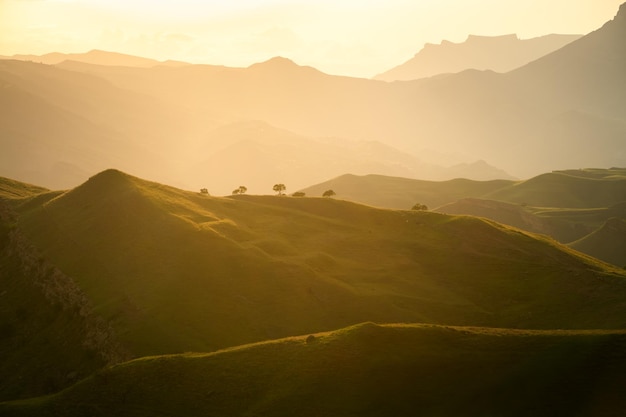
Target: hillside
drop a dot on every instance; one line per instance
(366, 370)
(566, 205)
(403, 193)
(608, 243)
(156, 270)
(496, 53)
(10, 189)
(585, 188)
(49, 335)
(115, 235)
(563, 224)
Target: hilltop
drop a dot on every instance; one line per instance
(365, 370)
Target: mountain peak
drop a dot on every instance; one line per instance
(275, 62)
(621, 13)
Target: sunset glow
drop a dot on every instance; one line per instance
(358, 38)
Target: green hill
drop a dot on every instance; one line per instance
(589, 188)
(49, 334)
(365, 370)
(563, 224)
(172, 271)
(403, 193)
(608, 243)
(15, 189)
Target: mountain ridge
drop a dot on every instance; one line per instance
(497, 53)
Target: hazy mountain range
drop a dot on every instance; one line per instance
(62, 123)
(497, 53)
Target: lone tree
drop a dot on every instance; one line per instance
(419, 206)
(240, 190)
(279, 188)
(329, 193)
(204, 191)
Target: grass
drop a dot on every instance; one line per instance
(607, 243)
(365, 370)
(11, 189)
(591, 188)
(403, 193)
(173, 271)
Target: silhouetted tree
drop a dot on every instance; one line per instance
(329, 193)
(204, 191)
(279, 188)
(298, 194)
(241, 190)
(419, 206)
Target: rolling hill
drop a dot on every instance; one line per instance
(365, 370)
(567, 205)
(608, 243)
(403, 193)
(162, 265)
(496, 53)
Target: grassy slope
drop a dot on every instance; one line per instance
(585, 188)
(366, 370)
(563, 224)
(403, 193)
(176, 271)
(15, 189)
(48, 337)
(607, 243)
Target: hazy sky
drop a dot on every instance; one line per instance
(349, 37)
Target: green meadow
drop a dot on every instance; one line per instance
(121, 268)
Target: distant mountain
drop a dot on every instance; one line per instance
(229, 153)
(563, 110)
(366, 370)
(59, 127)
(96, 57)
(608, 243)
(496, 53)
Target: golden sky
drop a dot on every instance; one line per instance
(347, 37)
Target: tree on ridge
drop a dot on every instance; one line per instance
(279, 188)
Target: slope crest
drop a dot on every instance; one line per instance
(366, 370)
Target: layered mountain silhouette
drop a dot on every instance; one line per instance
(496, 53)
(558, 112)
(96, 57)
